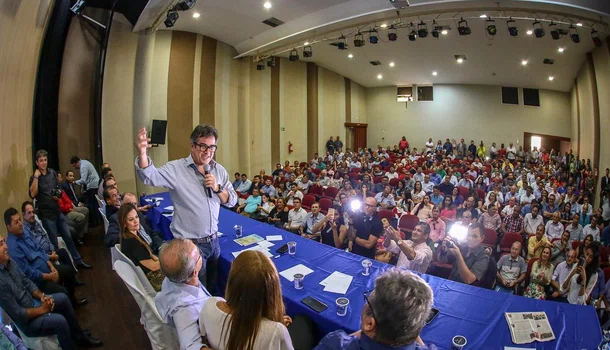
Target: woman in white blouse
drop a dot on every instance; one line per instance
(253, 316)
(417, 195)
(582, 279)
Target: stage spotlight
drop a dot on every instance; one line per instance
(172, 17)
(574, 35)
(392, 34)
(185, 5)
(294, 55)
(463, 28)
(538, 30)
(260, 65)
(436, 30)
(412, 35)
(554, 31)
(373, 36)
(490, 25)
(512, 27)
(307, 53)
(422, 30)
(359, 40)
(271, 62)
(596, 39)
(341, 44)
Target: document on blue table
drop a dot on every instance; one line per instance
(300, 268)
(337, 282)
(275, 238)
(263, 250)
(171, 207)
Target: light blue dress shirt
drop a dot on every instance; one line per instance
(195, 214)
(88, 175)
(179, 305)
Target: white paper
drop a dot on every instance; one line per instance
(274, 238)
(255, 247)
(219, 234)
(148, 200)
(300, 268)
(168, 214)
(265, 244)
(527, 327)
(171, 207)
(158, 199)
(337, 282)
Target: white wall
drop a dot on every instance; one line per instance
(463, 111)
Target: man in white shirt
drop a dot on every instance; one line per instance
(385, 199)
(419, 176)
(532, 220)
(413, 254)
(323, 180)
(355, 164)
(453, 180)
(508, 209)
(293, 194)
(591, 229)
(574, 228)
(554, 228)
(297, 217)
(427, 186)
(511, 152)
(527, 197)
(562, 271)
(304, 184)
(392, 174)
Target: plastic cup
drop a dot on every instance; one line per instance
(298, 280)
(342, 304)
(366, 267)
(292, 248)
(238, 230)
(458, 342)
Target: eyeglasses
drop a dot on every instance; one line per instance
(204, 148)
(366, 295)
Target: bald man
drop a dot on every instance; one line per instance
(366, 229)
(511, 270)
(182, 295)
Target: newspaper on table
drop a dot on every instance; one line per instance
(527, 327)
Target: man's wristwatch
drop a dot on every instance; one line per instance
(220, 188)
(399, 242)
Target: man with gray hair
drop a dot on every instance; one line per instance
(393, 316)
(182, 295)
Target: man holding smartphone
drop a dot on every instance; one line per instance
(413, 254)
(470, 262)
(366, 229)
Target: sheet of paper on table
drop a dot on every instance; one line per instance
(337, 282)
(275, 238)
(168, 214)
(219, 234)
(265, 244)
(300, 268)
(171, 207)
(158, 199)
(246, 241)
(256, 247)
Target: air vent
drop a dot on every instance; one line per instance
(273, 22)
(548, 61)
(375, 63)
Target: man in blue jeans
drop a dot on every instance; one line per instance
(43, 187)
(37, 314)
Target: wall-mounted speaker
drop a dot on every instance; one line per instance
(157, 135)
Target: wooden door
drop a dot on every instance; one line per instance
(357, 132)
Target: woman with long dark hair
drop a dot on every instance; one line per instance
(418, 193)
(423, 210)
(582, 279)
(541, 275)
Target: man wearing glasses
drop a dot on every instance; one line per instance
(388, 328)
(366, 229)
(196, 194)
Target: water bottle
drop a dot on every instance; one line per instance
(605, 344)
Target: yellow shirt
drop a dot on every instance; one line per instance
(531, 244)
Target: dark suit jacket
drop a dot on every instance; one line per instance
(112, 237)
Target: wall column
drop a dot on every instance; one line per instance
(312, 109)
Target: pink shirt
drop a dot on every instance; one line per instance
(448, 213)
(437, 229)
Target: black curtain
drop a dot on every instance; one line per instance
(46, 96)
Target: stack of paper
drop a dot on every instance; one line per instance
(337, 282)
(170, 208)
(275, 238)
(300, 268)
(256, 247)
(265, 244)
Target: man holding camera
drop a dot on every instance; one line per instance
(44, 187)
(365, 230)
(470, 262)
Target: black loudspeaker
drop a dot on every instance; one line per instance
(157, 135)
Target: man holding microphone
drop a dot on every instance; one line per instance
(198, 185)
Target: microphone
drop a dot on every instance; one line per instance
(208, 191)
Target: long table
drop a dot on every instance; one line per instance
(476, 313)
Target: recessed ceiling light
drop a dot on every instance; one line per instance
(524, 62)
(444, 32)
(460, 60)
(350, 56)
(483, 16)
(529, 32)
(379, 76)
(383, 25)
(551, 78)
(306, 43)
(579, 24)
(391, 64)
(434, 73)
(561, 49)
(196, 15)
(267, 5)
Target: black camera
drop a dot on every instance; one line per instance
(449, 244)
(56, 192)
(581, 261)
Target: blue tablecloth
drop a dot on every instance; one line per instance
(476, 313)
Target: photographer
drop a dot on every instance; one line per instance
(469, 262)
(365, 230)
(44, 187)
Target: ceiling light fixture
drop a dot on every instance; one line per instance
(596, 39)
(551, 78)
(560, 50)
(538, 30)
(260, 65)
(379, 76)
(579, 24)
(512, 27)
(359, 40)
(436, 30)
(373, 36)
(196, 15)
(267, 5)
(434, 73)
(490, 25)
(444, 31)
(574, 35)
(306, 43)
(383, 25)
(392, 34)
(422, 30)
(554, 31)
(524, 62)
(529, 32)
(350, 56)
(483, 16)
(171, 18)
(463, 28)
(294, 55)
(391, 64)
(307, 52)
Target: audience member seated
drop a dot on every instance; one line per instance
(537, 242)
(491, 220)
(297, 217)
(531, 221)
(413, 254)
(513, 222)
(554, 228)
(437, 227)
(294, 193)
(561, 273)
(581, 280)
(448, 211)
(37, 314)
(304, 184)
(427, 185)
(77, 217)
(45, 270)
(365, 229)
(446, 187)
(560, 248)
(100, 189)
(263, 210)
(279, 214)
(113, 201)
(469, 205)
(436, 198)
(268, 188)
(386, 327)
(256, 183)
(423, 210)
(592, 229)
(244, 185)
(68, 187)
(312, 226)
(385, 199)
(251, 204)
(540, 276)
(182, 296)
(469, 262)
(511, 270)
(237, 180)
